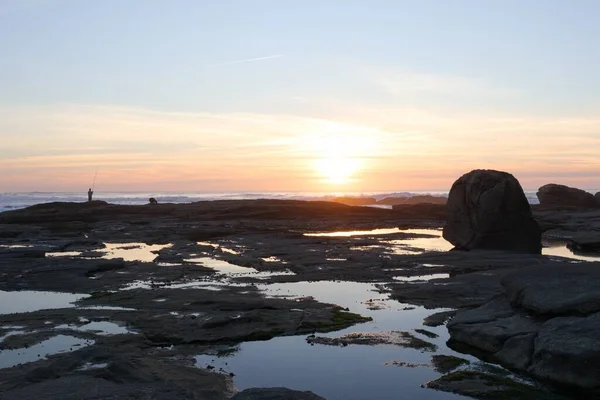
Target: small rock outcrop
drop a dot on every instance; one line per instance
(355, 201)
(597, 196)
(275, 394)
(421, 199)
(546, 323)
(487, 209)
(559, 196)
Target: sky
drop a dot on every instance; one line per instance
(282, 95)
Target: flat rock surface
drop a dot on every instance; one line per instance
(555, 289)
(197, 288)
(547, 323)
(275, 394)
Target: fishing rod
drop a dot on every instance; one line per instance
(95, 176)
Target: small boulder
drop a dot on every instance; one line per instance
(556, 196)
(487, 209)
(152, 200)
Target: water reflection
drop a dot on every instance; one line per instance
(432, 240)
(560, 249)
(372, 232)
(103, 328)
(29, 301)
(127, 251)
(54, 345)
(133, 251)
(352, 372)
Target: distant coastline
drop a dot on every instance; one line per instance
(17, 200)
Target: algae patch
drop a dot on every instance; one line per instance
(490, 387)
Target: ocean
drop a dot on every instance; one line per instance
(14, 200)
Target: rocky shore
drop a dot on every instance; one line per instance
(135, 325)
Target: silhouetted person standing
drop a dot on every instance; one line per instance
(90, 194)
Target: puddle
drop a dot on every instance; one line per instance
(408, 246)
(111, 308)
(54, 345)
(559, 249)
(372, 232)
(103, 328)
(133, 251)
(216, 246)
(230, 251)
(273, 259)
(233, 270)
(10, 333)
(419, 245)
(221, 266)
(421, 277)
(64, 254)
(353, 372)
(127, 251)
(29, 301)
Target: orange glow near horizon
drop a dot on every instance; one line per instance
(363, 151)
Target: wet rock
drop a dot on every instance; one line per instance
(444, 364)
(584, 242)
(488, 327)
(547, 324)
(107, 265)
(567, 350)
(487, 209)
(555, 290)
(438, 319)
(397, 338)
(355, 201)
(464, 290)
(275, 394)
(421, 211)
(22, 253)
(406, 364)
(561, 196)
(141, 378)
(427, 333)
(485, 386)
(425, 199)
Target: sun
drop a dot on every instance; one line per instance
(338, 157)
(337, 170)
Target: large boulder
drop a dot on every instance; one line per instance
(557, 196)
(487, 209)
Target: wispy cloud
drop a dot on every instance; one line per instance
(399, 148)
(247, 60)
(408, 83)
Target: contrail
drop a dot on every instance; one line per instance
(247, 60)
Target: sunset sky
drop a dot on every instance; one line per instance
(311, 95)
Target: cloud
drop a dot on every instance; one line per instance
(59, 147)
(407, 83)
(247, 60)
